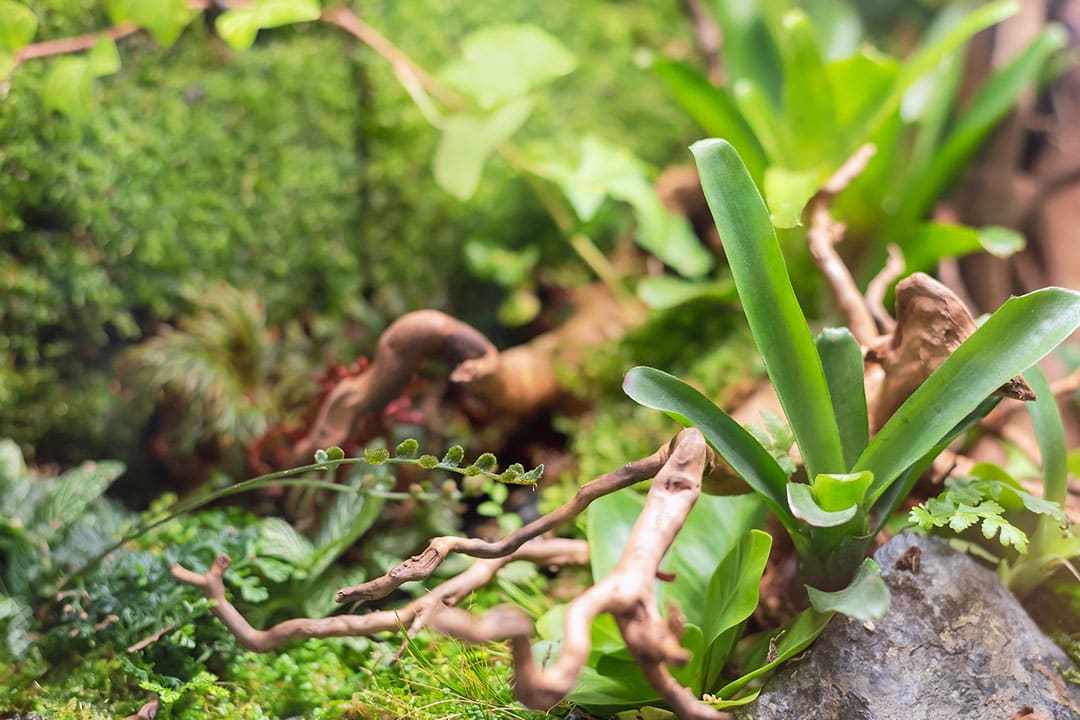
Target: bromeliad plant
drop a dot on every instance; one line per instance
(854, 482)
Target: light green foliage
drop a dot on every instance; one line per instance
(238, 27)
(164, 19)
(468, 140)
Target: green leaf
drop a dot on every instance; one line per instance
(279, 539)
(468, 140)
(930, 56)
(1014, 338)
(345, 521)
(835, 492)
(164, 19)
(7, 64)
(239, 27)
(712, 109)
(789, 190)
(731, 598)
(995, 98)
(776, 320)
(12, 466)
(858, 83)
(805, 507)
(807, 97)
(18, 25)
(777, 647)
(607, 170)
(660, 391)
(1050, 434)
(838, 27)
(103, 58)
(932, 242)
(70, 495)
(502, 63)
(407, 448)
(750, 48)
(762, 115)
(866, 598)
(67, 87)
(611, 518)
(842, 361)
(663, 292)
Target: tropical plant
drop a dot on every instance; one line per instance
(803, 90)
(854, 482)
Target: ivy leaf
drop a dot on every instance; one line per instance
(866, 598)
(502, 63)
(239, 27)
(164, 19)
(468, 140)
(67, 87)
(103, 58)
(18, 24)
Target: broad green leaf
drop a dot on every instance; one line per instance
(1014, 338)
(731, 598)
(842, 361)
(929, 57)
(807, 98)
(18, 24)
(930, 101)
(660, 391)
(7, 64)
(468, 140)
(611, 518)
(858, 83)
(763, 117)
(71, 493)
(789, 190)
(518, 308)
(67, 87)
(750, 49)
(805, 507)
(835, 492)
(713, 529)
(866, 598)
(349, 516)
(778, 646)
(663, 292)
(164, 19)
(103, 58)
(613, 685)
(607, 170)
(932, 242)
(776, 320)
(239, 27)
(12, 465)
(1050, 434)
(501, 63)
(712, 109)
(995, 98)
(838, 27)
(502, 265)
(279, 539)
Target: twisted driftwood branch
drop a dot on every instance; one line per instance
(422, 565)
(628, 593)
(413, 616)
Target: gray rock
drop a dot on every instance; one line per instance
(955, 645)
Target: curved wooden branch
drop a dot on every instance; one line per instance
(422, 565)
(411, 340)
(824, 232)
(628, 593)
(413, 616)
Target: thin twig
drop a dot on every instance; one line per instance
(421, 566)
(73, 44)
(879, 287)
(413, 616)
(824, 232)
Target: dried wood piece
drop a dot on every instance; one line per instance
(931, 323)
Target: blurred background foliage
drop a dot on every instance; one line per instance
(298, 170)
